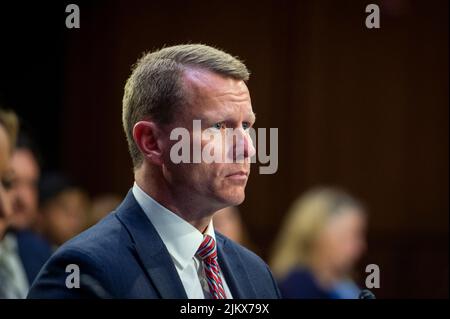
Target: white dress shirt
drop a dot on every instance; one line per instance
(182, 241)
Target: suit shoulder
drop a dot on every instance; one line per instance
(94, 253)
(245, 254)
(105, 237)
(260, 274)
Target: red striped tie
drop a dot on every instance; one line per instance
(208, 253)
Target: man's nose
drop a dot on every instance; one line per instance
(244, 147)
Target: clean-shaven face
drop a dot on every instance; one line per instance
(221, 103)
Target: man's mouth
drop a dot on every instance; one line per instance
(238, 175)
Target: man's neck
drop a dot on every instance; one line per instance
(184, 206)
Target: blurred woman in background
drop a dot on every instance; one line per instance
(8, 132)
(22, 253)
(322, 239)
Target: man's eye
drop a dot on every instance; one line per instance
(7, 183)
(219, 126)
(246, 125)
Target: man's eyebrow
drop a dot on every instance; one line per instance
(252, 116)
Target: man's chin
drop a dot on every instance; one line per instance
(235, 199)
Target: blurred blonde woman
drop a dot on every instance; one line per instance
(8, 132)
(22, 253)
(322, 238)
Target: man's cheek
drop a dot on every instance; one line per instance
(213, 148)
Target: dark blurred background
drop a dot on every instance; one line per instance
(364, 109)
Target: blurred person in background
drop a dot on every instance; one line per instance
(322, 239)
(102, 205)
(22, 253)
(25, 173)
(8, 132)
(228, 222)
(64, 208)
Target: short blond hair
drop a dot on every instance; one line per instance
(154, 88)
(9, 121)
(304, 222)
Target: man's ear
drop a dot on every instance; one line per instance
(146, 135)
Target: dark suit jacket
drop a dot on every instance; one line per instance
(123, 257)
(33, 252)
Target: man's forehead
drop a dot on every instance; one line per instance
(215, 97)
(228, 113)
(205, 83)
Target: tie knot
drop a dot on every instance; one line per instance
(207, 250)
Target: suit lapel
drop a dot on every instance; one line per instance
(234, 271)
(151, 249)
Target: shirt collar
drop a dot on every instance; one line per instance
(8, 244)
(181, 238)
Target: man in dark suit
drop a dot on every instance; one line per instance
(160, 242)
